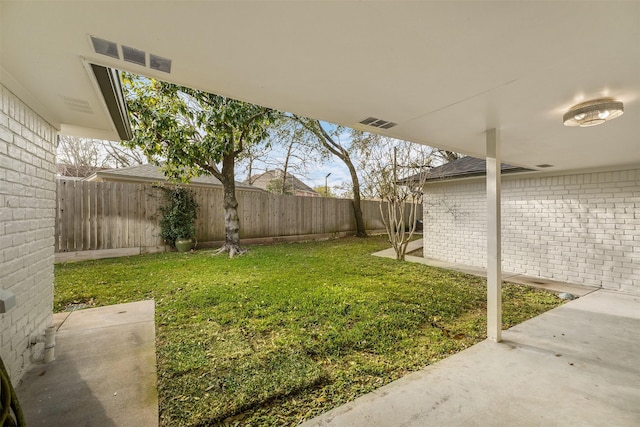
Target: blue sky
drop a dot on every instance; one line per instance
(339, 174)
(315, 171)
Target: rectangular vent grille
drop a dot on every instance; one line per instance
(78, 105)
(378, 123)
(130, 54)
(105, 47)
(134, 55)
(159, 63)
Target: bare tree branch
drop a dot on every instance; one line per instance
(81, 156)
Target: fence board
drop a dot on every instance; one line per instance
(99, 218)
(91, 197)
(105, 215)
(69, 224)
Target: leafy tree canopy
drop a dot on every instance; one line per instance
(193, 133)
(190, 131)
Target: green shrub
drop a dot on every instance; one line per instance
(178, 215)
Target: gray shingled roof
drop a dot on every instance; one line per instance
(153, 173)
(263, 179)
(465, 167)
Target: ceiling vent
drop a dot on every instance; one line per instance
(105, 47)
(134, 55)
(378, 123)
(131, 54)
(78, 105)
(159, 63)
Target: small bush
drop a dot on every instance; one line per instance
(178, 215)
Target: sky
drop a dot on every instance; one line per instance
(338, 170)
(339, 180)
(315, 173)
(313, 177)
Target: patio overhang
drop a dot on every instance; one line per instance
(111, 90)
(445, 73)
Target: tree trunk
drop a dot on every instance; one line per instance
(357, 209)
(285, 169)
(250, 171)
(230, 204)
(340, 152)
(400, 231)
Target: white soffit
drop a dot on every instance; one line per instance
(444, 72)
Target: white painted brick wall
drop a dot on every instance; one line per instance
(27, 215)
(582, 228)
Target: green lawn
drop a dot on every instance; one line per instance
(289, 331)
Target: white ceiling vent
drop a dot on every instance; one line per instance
(378, 123)
(79, 105)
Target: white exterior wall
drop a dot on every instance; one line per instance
(27, 214)
(582, 228)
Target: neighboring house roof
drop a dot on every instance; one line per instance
(72, 171)
(465, 167)
(153, 173)
(263, 179)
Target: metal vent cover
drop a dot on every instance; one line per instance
(378, 123)
(159, 63)
(105, 47)
(133, 55)
(130, 54)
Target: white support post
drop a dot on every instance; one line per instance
(494, 251)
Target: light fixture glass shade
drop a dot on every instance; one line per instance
(594, 112)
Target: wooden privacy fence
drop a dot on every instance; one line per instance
(115, 215)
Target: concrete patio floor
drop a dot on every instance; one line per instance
(576, 365)
(104, 372)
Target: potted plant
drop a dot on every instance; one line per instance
(177, 225)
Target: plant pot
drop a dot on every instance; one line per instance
(184, 245)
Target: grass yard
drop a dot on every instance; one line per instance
(289, 331)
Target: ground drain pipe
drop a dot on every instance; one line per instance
(49, 340)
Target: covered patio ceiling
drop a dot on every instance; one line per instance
(445, 72)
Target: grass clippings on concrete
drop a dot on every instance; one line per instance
(289, 331)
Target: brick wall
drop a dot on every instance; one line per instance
(582, 228)
(27, 213)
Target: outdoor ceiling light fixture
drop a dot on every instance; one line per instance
(594, 112)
